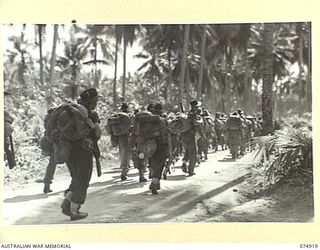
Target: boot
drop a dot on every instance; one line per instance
(184, 167)
(154, 185)
(141, 175)
(65, 206)
(123, 175)
(46, 188)
(75, 214)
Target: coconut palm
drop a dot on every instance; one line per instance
(96, 41)
(71, 62)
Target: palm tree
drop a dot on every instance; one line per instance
(128, 36)
(118, 39)
(20, 45)
(40, 28)
(183, 54)
(96, 42)
(203, 59)
(74, 55)
(53, 52)
(267, 35)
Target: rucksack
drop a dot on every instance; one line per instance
(149, 125)
(180, 124)
(119, 124)
(64, 125)
(234, 122)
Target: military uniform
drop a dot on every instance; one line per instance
(163, 151)
(244, 131)
(233, 126)
(138, 158)
(81, 162)
(8, 129)
(189, 139)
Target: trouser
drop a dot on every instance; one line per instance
(234, 142)
(203, 145)
(81, 165)
(50, 170)
(138, 163)
(243, 142)
(124, 153)
(189, 143)
(158, 159)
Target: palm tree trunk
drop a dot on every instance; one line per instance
(124, 68)
(40, 26)
(53, 52)
(187, 85)
(246, 82)
(267, 116)
(169, 77)
(202, 62)
(309, 83)
(96, 80)
(115, 75)
(300, 61)
(183, 62)
(227, 77)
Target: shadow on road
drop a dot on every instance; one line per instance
(23, 198)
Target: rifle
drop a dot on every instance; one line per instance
(181, 107)
(167, 166)
(96, 154)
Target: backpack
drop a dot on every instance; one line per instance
(234, 123)
(64, 125)
(119, 124)
(149, 126)
(218, 124)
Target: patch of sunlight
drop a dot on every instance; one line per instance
(156, 216)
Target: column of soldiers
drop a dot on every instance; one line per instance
(150, 137)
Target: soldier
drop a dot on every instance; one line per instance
(138, 158)
(244, 128)
(8, 129)
(163, 150)
(233, 126)
(80, 160)
(119, 128)
(188, 139)
(208, 130)
(219, 129)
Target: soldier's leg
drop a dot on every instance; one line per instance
(192, 156)
(82, 165)
(185, 159)
(124, 156)
(50, 170)
(206, 148)
(139, 164)
(157, 162)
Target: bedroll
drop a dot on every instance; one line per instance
(119, 124)
(67, 123)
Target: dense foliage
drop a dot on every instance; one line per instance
(44, 65)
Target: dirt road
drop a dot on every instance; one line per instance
(212, 195)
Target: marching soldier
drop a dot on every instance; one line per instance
(8, 129)
(188, 139)
(163, 150)
(234, 126)
(81, 160)
(119, 126)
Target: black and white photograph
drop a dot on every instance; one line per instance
(157, 123)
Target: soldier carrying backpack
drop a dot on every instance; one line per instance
(153, 138)
(119, 125)
(75, 132)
